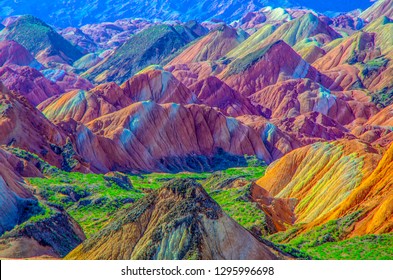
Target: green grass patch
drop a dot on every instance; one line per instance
(93, 199)
(383, 98)
(373, 66)
(328, 241)
(332, 231)
(35, 35)
(89, 198)
(368, 247)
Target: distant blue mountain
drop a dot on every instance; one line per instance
(336, 5)
(75, 13)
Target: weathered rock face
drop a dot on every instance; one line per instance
(147, 136)
(80, 39)
(277, 142)
(279, 211)
(320, 176)
(360, 47)
(383, 118)
(306, 26)
(380, 8)
(267, 66)
(67, 81)
(373, 197)
(15, 199)
(312, 53)
(85, 106)
(179, 221)
(38, 86)
(23, 126)
(150, 46)
(41, 40)
(362, 60)
(347, 23)
(378, 129)
(292, 98)
(211, 47)
(157, 85)
(192, 73)
(54, 237)
(312, 127)
(28, 82)
(13, 53)
(251, 20)
(215, 93)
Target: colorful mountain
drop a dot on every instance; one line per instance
(212, 46)
(151, 46)
(158, 85)
(23, 126)
(319, 177)
(268, 66)
(16, 200)
(28, 82)
(41, 40)
(275, 122)
(179, 221)
(378, 9)
(85, 106)
(13, 53)
(307, 26)
(292, 98)
(146, 136)
(215, 93)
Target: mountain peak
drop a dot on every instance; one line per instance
(178, 221)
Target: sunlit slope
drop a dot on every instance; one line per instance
(320, 176)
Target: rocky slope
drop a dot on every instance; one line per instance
(212, 46)
(85, 106)
(13, 53)
(151, 46)
(23, 126)
(16, 200)
(179, 221)
(146, 136)
(41, 40)
(158, 85)
(53, 236)
(380, 8)
(320, 177)
(268, 66)
(215, 93)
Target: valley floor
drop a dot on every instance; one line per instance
(93, 199)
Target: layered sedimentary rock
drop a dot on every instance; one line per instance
(215, 93)
(15, 199)
(267, 66)
(23, 126)
(13, 53)
(380, 8)
(320, 176)
(85, 106)
(179, 221)
(211, 47)
(158, 85)
(373, 198)
(147, 136)
(28, 82)
(292, 98)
